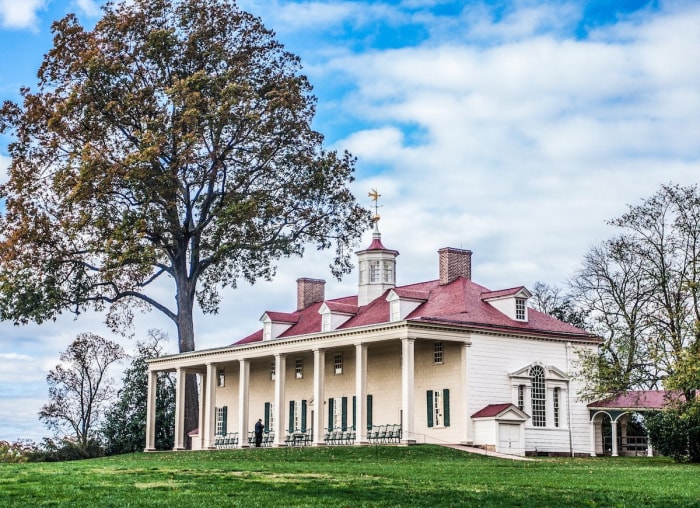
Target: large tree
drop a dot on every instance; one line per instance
(172, 142)
(79, 387)
(643, 290)
(124, 426)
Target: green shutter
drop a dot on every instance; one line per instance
(344, 414)
(291, 416)
(224, 417)
(354, 412)
(446, 406)
(330, 414)
(303, 416)
(430, 407)
(267, 416)
(369, 411)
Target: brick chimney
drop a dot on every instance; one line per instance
(454, 263)
(310, 291)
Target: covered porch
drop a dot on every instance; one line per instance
(616, 413)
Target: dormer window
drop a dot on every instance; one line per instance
(520, 309)
(326, 322)
(404, 301)
(511, 302)
(334, 314)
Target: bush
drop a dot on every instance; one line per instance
(676, 432)
(19, 451)
(65, 450)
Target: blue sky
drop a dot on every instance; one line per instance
(512, 128)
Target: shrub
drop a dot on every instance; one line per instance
(676, 432)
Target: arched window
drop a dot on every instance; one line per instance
(539, 407)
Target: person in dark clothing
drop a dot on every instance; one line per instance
(259, 433)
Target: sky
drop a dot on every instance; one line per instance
(515, 129)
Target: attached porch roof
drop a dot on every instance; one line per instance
(638, 400)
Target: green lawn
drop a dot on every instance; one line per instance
(369, 476)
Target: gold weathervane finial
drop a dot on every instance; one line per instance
(375, 197)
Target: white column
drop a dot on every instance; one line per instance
(280, 374)
(465, 394)
(243, 405)
(361, 394)
(319, 395)
(209, 389)
(151, 411)
(180, 409)
(592, 427)
(202, 403)
(613, 426)
(407, 395)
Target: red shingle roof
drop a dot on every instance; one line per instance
(459, 303)
(640, 399)
(492, 410)
(501, 293)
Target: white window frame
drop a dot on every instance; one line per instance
(337, 412)
(297, 414)
(388, 272)
(299, 368)
(273, 370)
(556, 406)
(219, 421)
(326, 322)
(338, 364)
(520, 309)
(521, 397)
(375, 271)
(438, 353)
(438, 409)
(220, 378)
(271, 417)
(538, 396)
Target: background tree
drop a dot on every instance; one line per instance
(555, 302)
(79, 388)
(642, 288)
(173, 142)
(124, 428)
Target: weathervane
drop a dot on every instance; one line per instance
(375, 197)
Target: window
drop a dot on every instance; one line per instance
(539, 412)
(374, 271)
(267, 331)
(221, 374)
(326, 322)
(520, 309)
(297, 415)
(437, 352)
(273, 371)
(521, 397)
(299, 368)
(555, 405)
(389, 272)
(395, 309)
(338, 413)
(438, 408)
(221, 420)
(338, 363)
(269, 416)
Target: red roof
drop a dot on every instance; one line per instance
(459, 303)
(283, 317)
(493, 410)
(411, 294)
(639, 399)
(501, 293)
(343, 308)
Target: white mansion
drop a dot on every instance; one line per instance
(443, 361)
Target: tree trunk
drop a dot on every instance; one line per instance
(185, 332)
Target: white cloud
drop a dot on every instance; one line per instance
(20, 14)
(89, 7)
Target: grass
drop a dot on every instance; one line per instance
(368, 476)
